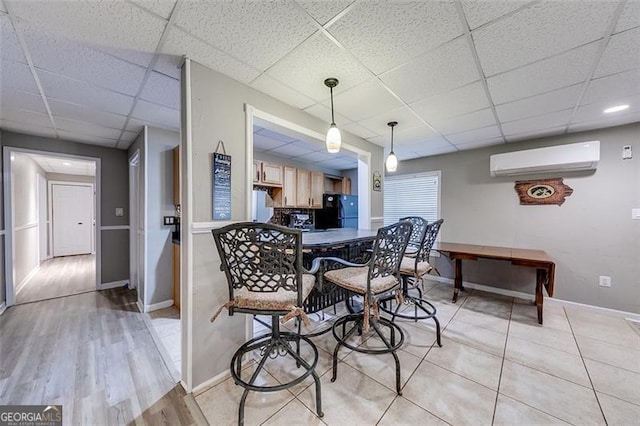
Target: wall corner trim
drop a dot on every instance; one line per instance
(158, 306)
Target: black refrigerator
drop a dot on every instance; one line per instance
(338, 211)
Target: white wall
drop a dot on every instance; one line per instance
(591, 234)
(24, 178)
(217, 105)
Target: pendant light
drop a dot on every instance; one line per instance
(392, 161)
(334, 139)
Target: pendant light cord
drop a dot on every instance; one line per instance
(392, 138)
(333, 121)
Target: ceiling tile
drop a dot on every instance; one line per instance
(322, 10)
(9, 46)
(364, 101)
(621, 54)
(438, 71)
(619, 120)
(539, 31)
(416, 136)
(462, 123)
(595, 111)
(82, 113)
(484, 133)
(263, 143)
(275, 135)
(406, 119)
(384, 34)
(162, 90)
(276, 28)
(156, 114)
(435, 150)
(281, 91)
(13, 98)
(480, 12)
(541, 122)
(96, 23)
(74, 60)
(480, 144)
(25, 116)
(17, 76)
(169, 64)
(2, 8)
(89, 139)
(315, 157)
(630, 17)
(358, 130)
(613, 87)
(544, 76)
(323, 112)
(458, 101)
(28, 128)
(291, 150)
(306, 68)
(179, 43)
(310, 146)
(162, 8)
(536, 134)
(541, 104)
(85, 128)
(81, 93)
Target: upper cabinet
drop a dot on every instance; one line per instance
(289, 187)
(267, 174)
(310, 187)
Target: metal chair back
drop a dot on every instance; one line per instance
(429, 238)
(388, 250)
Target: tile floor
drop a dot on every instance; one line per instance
(497, 366)
(164, 325)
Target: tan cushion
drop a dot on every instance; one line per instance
(408, 267)
(355, 279)
(280, 300)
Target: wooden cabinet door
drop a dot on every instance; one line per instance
(271, 174)
(346, 186)
(303, 188)
(317, 189)
(289, 187)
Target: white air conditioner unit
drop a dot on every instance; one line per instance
(559, 158)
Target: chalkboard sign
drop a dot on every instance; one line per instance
(221, 186)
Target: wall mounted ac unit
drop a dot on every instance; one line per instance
(559, 158)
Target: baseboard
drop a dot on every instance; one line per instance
(26, 279)
(595, 309)
(3, 307)
(488, 289)
(139, 305)
(158, 306)
(206, 385)
(114, 284)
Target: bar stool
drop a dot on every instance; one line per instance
(377, 277)
(263, 266)
(414, 267)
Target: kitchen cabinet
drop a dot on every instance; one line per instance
(309, 190)
(267, 174)
(289, 187)
(346, 186)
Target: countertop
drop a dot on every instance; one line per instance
(332, 237)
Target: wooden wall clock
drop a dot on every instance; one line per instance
(542, 191)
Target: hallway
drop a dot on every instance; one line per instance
(60, 276)
(93, 354)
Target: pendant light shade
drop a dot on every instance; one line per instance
(333, 139)
(391, 163)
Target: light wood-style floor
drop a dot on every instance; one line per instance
(93, 354)
(60, 276)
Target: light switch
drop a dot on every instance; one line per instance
(635, 213)
(119, 211)
(626, 152)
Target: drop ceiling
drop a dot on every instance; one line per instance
(456, 75)
(64, 165)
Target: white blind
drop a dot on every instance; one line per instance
(412, 195)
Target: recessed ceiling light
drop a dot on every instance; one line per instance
(66, 163)
(616, 109)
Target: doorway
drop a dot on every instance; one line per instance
(51, 211)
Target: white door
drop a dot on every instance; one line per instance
(72, 219)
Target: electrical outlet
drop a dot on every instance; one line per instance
(605, 281)
(119, 211)
(626, 152)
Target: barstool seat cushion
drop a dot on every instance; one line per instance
(408, 267)
(355, 280)
(280, 300)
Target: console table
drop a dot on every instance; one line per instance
(538, 259)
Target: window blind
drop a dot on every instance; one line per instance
(412, 195)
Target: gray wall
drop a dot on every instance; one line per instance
(591, 234)
(217, 111)
(26, 241)
(114, 193)
(159, 201)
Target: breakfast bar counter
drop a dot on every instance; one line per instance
(335, 237)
